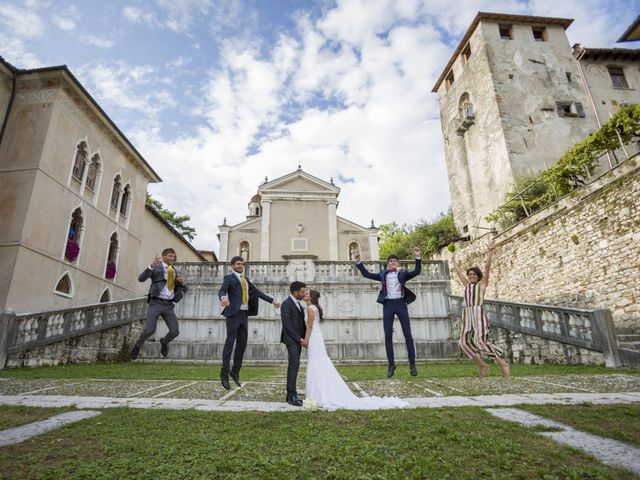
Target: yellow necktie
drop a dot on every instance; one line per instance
(170, 274)
(244, 289)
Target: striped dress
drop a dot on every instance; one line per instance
(474, 335)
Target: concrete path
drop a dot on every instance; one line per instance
(83, 402)
(608, 451)
(24, 432)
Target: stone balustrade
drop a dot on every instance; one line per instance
(588, 329)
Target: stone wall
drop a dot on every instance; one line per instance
(583, 251)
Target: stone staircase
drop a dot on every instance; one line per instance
(629, 345)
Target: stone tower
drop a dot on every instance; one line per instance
(511, 102)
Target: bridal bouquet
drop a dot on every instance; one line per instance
(310, 405)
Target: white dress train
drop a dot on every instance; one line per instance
(326, 386)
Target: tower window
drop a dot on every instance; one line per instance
(617, 77)
(449, 80)
(466, 53)
(505, 32)
(539, 34)
(568, 74)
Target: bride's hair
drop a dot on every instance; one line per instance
(315, 295)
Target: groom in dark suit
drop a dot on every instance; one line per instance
(167, 288)
(395, 297)
(239, 297)
(293, 333)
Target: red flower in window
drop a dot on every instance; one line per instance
(110, 273)
(72, 251)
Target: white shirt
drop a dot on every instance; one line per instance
(394, 289)
(166, 293)
(244, 306)
(299, 305)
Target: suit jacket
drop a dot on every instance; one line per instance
(158, 282)
(293, 326)
(232, 289)
(403, 277)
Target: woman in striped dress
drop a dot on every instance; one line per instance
(474, 334)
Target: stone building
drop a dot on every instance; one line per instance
(74, 227)
(513, 98)
(294, 217)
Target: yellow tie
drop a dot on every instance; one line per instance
(170, 274)
(244, 289)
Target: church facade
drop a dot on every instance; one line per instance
(295, 217)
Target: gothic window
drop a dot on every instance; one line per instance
(72, 248)
(115, 192)
(126, 199)
(617, 77)
(112, 257)
(353, 248)
(245, 250)
(79, 162)
(505, 32)
(64, 285)
(105, 297)
(92, 175)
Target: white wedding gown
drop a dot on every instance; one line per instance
(325, 385)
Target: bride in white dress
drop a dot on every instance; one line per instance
(324, 383)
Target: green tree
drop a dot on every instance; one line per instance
(179, 222)
(428, 235)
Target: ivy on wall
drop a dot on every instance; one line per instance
(573, 170)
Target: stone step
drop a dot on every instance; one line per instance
(628, 337)
(629, 345)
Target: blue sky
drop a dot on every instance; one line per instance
(219, 94)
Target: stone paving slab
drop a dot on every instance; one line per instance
(281, 406)
(15, 386)
(608, 451)
(19, 434)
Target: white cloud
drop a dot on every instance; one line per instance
(16, 52)
(63, 23)
(21, 22)
(98, 41)
(138, 16)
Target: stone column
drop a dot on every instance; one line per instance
(85, 173)
(373, 246)
(266, 222)
(224, 242)
(333, 231)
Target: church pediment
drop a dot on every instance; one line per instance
(298, 182)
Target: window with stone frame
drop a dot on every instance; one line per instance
(115, 192)
(449, 80)
(539, 34)
(92, 174)
(79, 161)
(466, 53)
(570, 109)
(505, 32)
(112, 257)
(64, 285)
(617, 77)
(106, 296)
(126, 199)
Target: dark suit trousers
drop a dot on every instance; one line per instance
(166, 310)
(237, 332)
(294, 352)
(390, 309)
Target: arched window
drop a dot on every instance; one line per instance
(115, 192)
(106, 296)
(72, 249)
(112, 257)
(92, 175)
(126, 198)
(353, 248)
(245, 250)
(80, 160)
(64, 285)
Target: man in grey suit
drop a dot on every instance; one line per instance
(293, 333)
(167, 288)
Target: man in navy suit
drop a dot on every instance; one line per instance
(395, 297)
(239, 297)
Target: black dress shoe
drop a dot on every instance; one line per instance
(134, 352)
(414, 371)
(236, 378)
(294, 400)
(225, 382)
(164, 348)
(390, 371)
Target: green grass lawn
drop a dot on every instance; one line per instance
(175, 371)
(15, 416)
(460, 443)
(620, 422)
